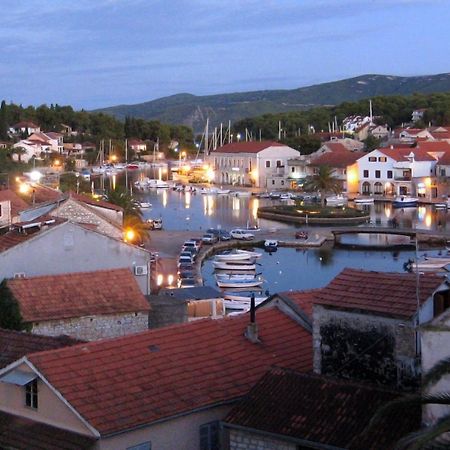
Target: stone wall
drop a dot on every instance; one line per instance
(365, 347)
(76, 212)
(242, 440)
(91, 328)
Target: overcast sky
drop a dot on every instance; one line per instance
(95, 53)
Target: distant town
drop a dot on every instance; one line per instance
(113, 336)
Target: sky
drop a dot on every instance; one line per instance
(98, 53)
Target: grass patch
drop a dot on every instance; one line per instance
(314, 211)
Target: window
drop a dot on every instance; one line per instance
(31, 394)
(282, 182)
(382, 159)
(366, 174)
(273, 181)
(442, 175)
(372, 159)
(209, 436)
(267, 164)
(278, 163)
(0, 210)
(292, 170)
(377, 173)
(143, 446)
(389, 173)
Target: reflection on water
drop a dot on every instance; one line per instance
(374, 239)
(228, 211)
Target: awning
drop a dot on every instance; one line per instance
(18, 377)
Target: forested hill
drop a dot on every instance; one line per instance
(192, 110)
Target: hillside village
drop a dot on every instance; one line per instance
(95, 354)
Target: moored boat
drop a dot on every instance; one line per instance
(239, 283)
(364, 200)
(404, 202)
(233, 265)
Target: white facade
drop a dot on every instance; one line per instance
(32, 150)
(266, 168)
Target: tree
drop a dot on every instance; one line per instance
(124, 199)
(135, 230)
(323, 182)
(10, 318)
(19, 151)
(371, 143)
(434, 436)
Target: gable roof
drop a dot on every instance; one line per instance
(17, 204)
(337, 158)
(320, 410)
(434, 146)
(392, 294)
(401, 154)
(78, 294)
(15, 344)
(135, 380)
(247, 147)
(25, 124)
(303, 299)
(93, 202)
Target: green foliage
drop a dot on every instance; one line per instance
(324, 182)
(124, 199)
(10, 318)
(68, 182)
(371, 143)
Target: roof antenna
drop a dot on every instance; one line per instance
(252, 328)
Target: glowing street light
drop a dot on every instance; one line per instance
(35, 176)
(129, 235)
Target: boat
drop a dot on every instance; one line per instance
(132, 166)
(144, 205)
(234, 257)
(242, 193)
(404, 202)
(238, 297)
(236, 276)
(336, 200)
(364, 200)
(239, 283)
(286, 196)
(270, 245)
(235, 265)
(249, 253)
(223, 191)
(274, 195)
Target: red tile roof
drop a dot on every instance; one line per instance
(79, 294)
(25, 124)
(303, 299)
(93, 202)
(247, 147)
(15, 344)
(336, 146)
(127, 382)
(24, 434)
(337, 158)
(401, 154)
(322, 411)
(434, 146)
(392, 294)
(17, 204)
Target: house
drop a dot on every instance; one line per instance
(58, 139)
(10, 206)
(166, 388)
(83, 305)
(100, 215)
(440, 133)
(418, 114)
(289, 410)
(24, 127)
(171, 306)
(364, 325)
(53, 142)
(16, 344)
(55, 246)
(397, 171)
(31, 149)
(413, 134)
(379, 131)
(137, 145)
(259, 164)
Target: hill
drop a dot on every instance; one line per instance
(192, 110)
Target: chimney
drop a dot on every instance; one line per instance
(252, 328)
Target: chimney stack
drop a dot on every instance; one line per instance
(252, 328)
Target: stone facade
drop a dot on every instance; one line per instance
(77, 212)
(365, 347)
(91, 328)
(243, 440)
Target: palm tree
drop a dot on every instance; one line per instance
(125, 200)
(324, 182)
(19, 151)
(435, 436)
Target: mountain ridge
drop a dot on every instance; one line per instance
(192, 110)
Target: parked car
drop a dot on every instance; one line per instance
(222, 235)
(186, 274)
(191, 250)
(185, 260)
(186, 283)
(187, 254)
(154, 224)
(184, 267)
(191, 244)
(198, 241)
(242, 235)
(210, 238)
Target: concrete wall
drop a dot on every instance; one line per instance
(182, 433)
(70, 248)
(242, 440)
(364, 347)
(92, 328)
(51, 409)
(77, 212)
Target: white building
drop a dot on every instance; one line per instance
(259, 164)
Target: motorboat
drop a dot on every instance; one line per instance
(440, 205)
(234, 257)
(336, 200)
(364, 200)
(238, 297)
(239, 283)
(144, 205)
(270, 245)
(132, 166)
(242, 193)
(234, 276)
(286, 196)
(235, 265)
(249, 253)
(404, 201)
(223, 191)
(274, 195)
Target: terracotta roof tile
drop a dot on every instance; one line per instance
(24, 434)
(387, 293)
(434, 146)
(322, 410)
(337, 158)
(247, 147)
(77, 294)
(303, 299)
(401, 154)
(15, 344)
(17, 204)
(163, 372)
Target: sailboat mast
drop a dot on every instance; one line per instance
(206, 138)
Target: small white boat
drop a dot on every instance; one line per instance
(249, 253)
(243, 193)
(286, 196)
(233, 266)
(364, 200)
(270, 245)
(237, 296)
(223, 191)
(440, 205)
(404, 201)
(144, 205)
(233, 257)
(239, 283)
(336, 200)
(234, 276)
